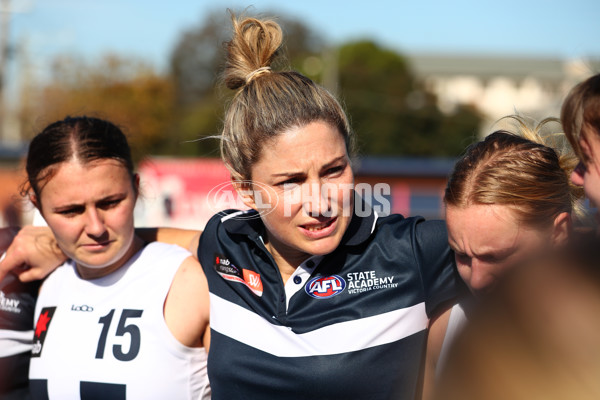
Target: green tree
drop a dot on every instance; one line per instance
(124, 91)
(198, 56)
(390, 110)
(195, 64)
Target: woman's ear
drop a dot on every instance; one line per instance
(34, 200)
(561, 228)
(245, 191)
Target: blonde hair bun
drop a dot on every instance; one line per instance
(251, 50)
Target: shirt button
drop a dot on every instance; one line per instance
(310, 264)
(297, 280)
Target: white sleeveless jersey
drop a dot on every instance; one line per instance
(456, 323)
(107, 338)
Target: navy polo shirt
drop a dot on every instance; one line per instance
(347, 325)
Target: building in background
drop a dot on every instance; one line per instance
(186, 192)
(501, 85)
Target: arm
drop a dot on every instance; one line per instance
(186, 307)
(435, 340)
(31, 252)
(186, 238)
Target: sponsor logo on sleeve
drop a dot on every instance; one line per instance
(230, 272)
(41, 329)
(8, 304)
(323, 287)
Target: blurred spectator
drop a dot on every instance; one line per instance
(580, 115)
(536, 337)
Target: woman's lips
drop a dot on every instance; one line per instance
(319, 230)
(96, 246)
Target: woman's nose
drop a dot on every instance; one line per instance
(315, 200)
(94, 224)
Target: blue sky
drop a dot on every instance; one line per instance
(148, 29)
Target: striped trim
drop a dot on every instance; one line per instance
(15, 342)
(233, 215)
(249, 328)
(374, 221)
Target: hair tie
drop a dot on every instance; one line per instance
(256, 73)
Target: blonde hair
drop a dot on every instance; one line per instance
(268, 102)
(581, 109)
(527, 171)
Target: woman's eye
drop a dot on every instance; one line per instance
(338, 169)
(289, 182)
(463, 258)
(70, 211)
(109, 203)
(496, 258)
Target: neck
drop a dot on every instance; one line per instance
(287, 263)
(95, 273)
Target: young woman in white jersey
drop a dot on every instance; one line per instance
(121, 318)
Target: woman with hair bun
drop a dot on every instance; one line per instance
(508, 198)
(310, 298)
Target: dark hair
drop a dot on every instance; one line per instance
(81, 138)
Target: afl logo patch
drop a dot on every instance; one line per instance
(323, 287)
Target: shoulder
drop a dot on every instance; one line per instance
(158, 249)
(187, 305)
(64, 271)
(415, 229)
(226, 227)
(154, 263)
(233, 219)
(189, 275)
(416, 222)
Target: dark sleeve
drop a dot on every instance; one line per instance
(441, 283)
(17, 307)
(18, 303)
(207, 240)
